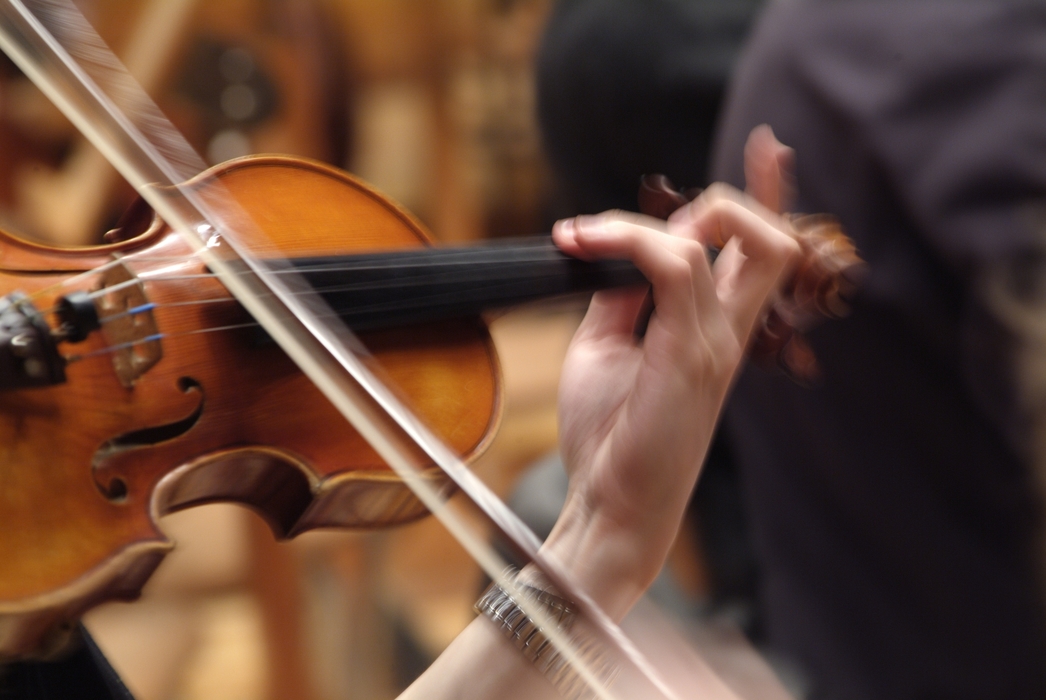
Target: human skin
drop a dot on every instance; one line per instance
(636, 415)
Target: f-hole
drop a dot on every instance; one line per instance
(161, 433)
(116, 489)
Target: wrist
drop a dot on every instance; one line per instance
(607, 562)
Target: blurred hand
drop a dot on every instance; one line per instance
(769, 166)
(637, 414)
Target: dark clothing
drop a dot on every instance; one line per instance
(84, 674)
(892, 504)
(627, 88)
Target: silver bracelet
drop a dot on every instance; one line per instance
(527, 636)
(498, 605)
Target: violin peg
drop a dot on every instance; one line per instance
(658, 197)
(826, 277)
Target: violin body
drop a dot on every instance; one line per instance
(88, 466)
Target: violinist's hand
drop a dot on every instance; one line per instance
(768, 170)
(637, 415)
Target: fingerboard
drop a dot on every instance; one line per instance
(398, 288)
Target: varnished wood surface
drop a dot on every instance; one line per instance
(79, 509)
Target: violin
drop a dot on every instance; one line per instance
(133, 385)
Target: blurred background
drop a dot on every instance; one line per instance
(431, 101)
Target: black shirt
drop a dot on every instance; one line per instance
(892, 503)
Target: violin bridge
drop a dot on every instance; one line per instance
(128, 325)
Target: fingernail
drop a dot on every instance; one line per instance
(589, 225)
(564, 232)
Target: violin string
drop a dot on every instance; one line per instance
(152, 276)
(118, 259)
(374, 307)
(485, 275)
(482, 283)
(74, 279)
(491, 284)
(151, 306)
(447, 260)
(457, 255)
(130, 312)
(109, 349)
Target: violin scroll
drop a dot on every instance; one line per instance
(827, 275)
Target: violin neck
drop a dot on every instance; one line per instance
(399, 288)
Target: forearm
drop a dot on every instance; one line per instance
(480, 663)
(483, 663)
